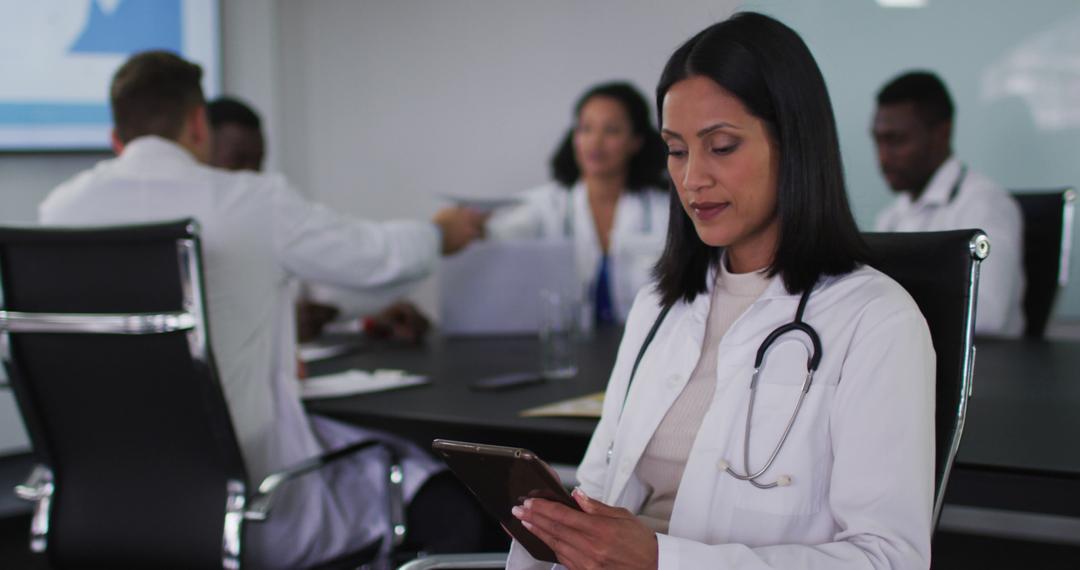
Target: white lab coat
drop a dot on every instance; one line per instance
(257, 234)
(637, 234)
(860, 455)
(981, 204)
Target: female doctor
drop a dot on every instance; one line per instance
(607, 198)
(731, 445)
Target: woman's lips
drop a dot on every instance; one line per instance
(706, 211)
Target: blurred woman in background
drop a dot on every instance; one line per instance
(607, 197)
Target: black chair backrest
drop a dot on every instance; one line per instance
(940, 271)
(134, 427)
(1047, 237)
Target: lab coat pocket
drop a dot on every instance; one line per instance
(801, 464)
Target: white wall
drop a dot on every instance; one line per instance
(387, 104)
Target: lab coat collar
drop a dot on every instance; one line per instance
(699, 308)
(160, 151)
(940, 185)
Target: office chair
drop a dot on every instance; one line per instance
(940, 270)
(1048, 219)
(104, 336)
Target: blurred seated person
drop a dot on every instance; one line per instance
(238, 143)
(609, 196)
(912, 129)
(258, 234)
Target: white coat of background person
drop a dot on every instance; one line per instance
(238, 143)
(257, 233)
(608, 197)
(765, 228)
(912, 130)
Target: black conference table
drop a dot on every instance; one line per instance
(1018, 452)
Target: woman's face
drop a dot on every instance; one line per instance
(604, 139)
(724, 164)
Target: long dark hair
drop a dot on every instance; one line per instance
(646, 168)
(766, 65)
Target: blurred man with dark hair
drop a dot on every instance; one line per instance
(912, 129)
(258, 234)
(238, 142)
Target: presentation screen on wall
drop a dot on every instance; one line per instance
(58, 57)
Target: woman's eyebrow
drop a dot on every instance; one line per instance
(703, 132)
(715, 127)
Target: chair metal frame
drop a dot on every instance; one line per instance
(979, 248)
(240, 506)
(1069, 198)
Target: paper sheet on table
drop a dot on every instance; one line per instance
(322, 350)
(483, 204)
(352, 382)
(589, 406)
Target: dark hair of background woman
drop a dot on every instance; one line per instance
(770, 70)
(647, 167)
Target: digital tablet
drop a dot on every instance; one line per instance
(502, 478)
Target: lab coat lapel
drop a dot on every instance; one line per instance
(586, 245)
(661, 377)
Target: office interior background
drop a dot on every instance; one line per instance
(377, 108)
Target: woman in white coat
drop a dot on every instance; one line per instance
(719, 451)
(606, 197)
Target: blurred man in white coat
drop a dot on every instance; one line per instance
(912, 129)
(257, 235)
(238, 143)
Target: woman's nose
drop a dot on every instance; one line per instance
(696, 176)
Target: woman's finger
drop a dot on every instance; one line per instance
(574, 537)
(568, 555)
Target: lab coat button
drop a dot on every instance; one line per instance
(673, 380)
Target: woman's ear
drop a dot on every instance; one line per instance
(198, 133)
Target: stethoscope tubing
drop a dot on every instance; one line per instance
(797, 325)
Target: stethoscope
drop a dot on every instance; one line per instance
(956, 185)
(795, 326)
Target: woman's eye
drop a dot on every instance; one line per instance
(725, 149)
(676, 152)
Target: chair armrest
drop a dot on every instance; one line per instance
(471, 560)
(39, 488)
(262, 500)
(38, 485)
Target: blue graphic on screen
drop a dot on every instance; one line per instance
(135, 25)
(57, 93)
